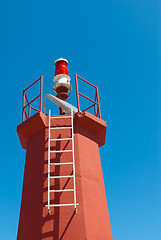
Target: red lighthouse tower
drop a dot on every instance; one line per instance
(63, 195)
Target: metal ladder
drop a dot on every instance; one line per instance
(65, 163)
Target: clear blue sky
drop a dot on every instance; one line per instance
(113, 44)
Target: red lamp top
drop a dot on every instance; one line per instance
(61, 66)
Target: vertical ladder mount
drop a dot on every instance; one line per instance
(49, 205)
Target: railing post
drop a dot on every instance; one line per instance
(41, 83)
(23, 109)
(29, 111)
(99, 112)
(76, 84)
(95, 105)
(45, 104)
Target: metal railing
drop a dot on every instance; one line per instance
(95, 102)
(25, 99)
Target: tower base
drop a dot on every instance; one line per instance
(91, 220)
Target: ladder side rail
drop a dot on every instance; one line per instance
(49, 164)
(75, 203)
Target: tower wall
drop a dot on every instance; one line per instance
(91, 220)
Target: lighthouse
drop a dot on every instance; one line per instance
(63, 195)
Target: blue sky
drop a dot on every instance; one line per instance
(113, 44)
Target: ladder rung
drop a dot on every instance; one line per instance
(62, 176)
(61, 117)
(62, 190)
(60, 139)
(62, 205)
(57, 151)
(56, 128)
(66, 163)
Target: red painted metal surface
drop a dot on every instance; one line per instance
(91, 220)
(96, 104)
(25, 99)
(61, 67)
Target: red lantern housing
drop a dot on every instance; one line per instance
(62, 80)
(61, 66)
